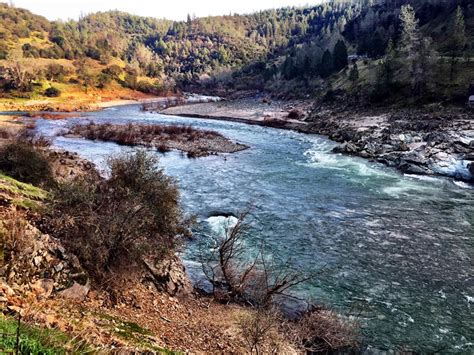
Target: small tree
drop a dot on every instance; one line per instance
(326, 66)
(340, 55)
(354, 74)
(236, 276)
(20, 71)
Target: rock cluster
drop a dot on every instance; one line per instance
(413, 142)
(169, 276)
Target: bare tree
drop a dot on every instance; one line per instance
(20, 71)
(235, 276)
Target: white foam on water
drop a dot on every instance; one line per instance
(423, 177)
(463, 185)
(219, 224)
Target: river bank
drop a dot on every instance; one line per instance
(156, 310)
(424, 141)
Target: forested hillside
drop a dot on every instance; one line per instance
(298, 51)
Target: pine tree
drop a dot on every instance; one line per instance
(417, 50)
(340, 55)
(410, 31)
(326, 66)
(457, 39)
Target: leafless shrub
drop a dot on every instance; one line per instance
(255, 281)
(6, 133)
(324, 331)
(260, 331)
(14, 243)
(140, 134)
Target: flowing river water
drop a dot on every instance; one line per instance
(394, 251)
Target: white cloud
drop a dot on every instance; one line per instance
(171, 9)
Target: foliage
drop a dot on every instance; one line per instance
(52, 92)
(34, 340)
(25, 162)
(111, 224)
(340, 55)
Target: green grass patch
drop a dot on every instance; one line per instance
(15, 187)
(35, 340)
(21, 194)
(134, 334)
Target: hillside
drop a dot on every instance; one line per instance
(297, 52)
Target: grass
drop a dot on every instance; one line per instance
(21, 194)
(35, 340)
(134, 334)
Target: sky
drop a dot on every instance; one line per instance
(170, 9)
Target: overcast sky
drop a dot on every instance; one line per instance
(170, 9)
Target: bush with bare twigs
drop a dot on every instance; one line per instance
(256, 282)
(111, 225)
(141, 134)
(261, 331)
(324, 331)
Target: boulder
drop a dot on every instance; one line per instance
(170, 276)
(76, 292)
(43, 288)
(470, 167)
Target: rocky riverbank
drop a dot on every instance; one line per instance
(430, 141)
(256, 111)
(433, 140)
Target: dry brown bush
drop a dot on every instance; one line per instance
(112, 224)
(137, 134)
(261, 331)
(325, 331)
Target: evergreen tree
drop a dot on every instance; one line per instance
(420, 57)
(410, 38)
(326, 66)
(354, 74)
(457, 39)
(340, 55)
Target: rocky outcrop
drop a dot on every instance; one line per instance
(415, 142)
(169, 276)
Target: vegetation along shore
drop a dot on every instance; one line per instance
(91, 259)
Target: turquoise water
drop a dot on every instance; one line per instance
(394, 251)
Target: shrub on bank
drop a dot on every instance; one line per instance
(111, 225)
(52, 92)
(25, 162)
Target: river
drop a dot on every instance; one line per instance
(394, 251)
